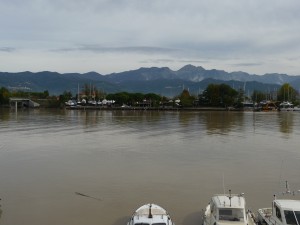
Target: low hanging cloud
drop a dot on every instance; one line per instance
(238, 32)
(7, 49)
(128, 49)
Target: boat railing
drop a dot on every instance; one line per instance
(267, 214)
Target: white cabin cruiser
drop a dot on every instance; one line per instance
(150, 214)
(297, 108)
(286, 106)
(283, 212)
(226, 210)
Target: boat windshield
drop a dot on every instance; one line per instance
(292, 217)
(231, 214)
(149, 224)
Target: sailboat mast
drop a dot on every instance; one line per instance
(77, 92)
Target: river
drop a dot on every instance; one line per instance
(70, 167)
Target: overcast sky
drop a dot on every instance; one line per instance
(255, 36)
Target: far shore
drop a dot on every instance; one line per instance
(149, 108)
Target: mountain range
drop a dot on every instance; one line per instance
(161, 80)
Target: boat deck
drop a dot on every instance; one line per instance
(265, 216)
(154, 211)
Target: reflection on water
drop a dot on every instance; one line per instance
(129, 158)
(286, 121)
(222, 123)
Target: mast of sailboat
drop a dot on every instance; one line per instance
(78, 92)
(90, 90)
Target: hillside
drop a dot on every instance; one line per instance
(162, 81)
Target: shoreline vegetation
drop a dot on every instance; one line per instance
(216, 97)
(149, 108)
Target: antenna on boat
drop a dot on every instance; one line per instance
(287, 188)
(150, 214)
(230, 197)
(288, 191)
(223, 184)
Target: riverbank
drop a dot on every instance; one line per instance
(148, 108)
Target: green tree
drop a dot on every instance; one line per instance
(153, 98)
(287, 93)
(186, 100)
(120, 98)
(219, 95)
(228, 95)
(4, 96)
(258, 96)
(66, 96)
(136, 97)
(240, 98)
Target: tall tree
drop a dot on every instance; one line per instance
(219, 95)
(258, 96)
(287, 93)
(4, 96)
(186, 99)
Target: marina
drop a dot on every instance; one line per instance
(98, 166)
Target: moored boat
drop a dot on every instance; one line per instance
(297, 108)
(286, 106)
(227, 209)
(150, 214)
(268, 106)
(248, 106)
(282, 212)
(70, 103)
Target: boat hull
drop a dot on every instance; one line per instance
(150, 214)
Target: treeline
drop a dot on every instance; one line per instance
(41, 97)
(215, 95)
(223, 95)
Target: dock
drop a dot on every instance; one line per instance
(22, 103)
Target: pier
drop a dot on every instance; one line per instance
(22, 103)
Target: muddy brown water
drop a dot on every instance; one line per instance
(64, 167)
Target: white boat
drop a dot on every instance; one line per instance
(226, 210)
(282, 212)
(248, 106)
(70, 103)
(297, 108)
(150, 214)
(286, 106)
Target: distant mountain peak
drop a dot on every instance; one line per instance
(190, 67)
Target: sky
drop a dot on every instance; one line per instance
(106, 36)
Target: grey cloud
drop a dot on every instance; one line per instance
(227, 30)
(193, 61)
(157, 61)
(247, 64)
(161, 61)
(7, 49)
(128, 49)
